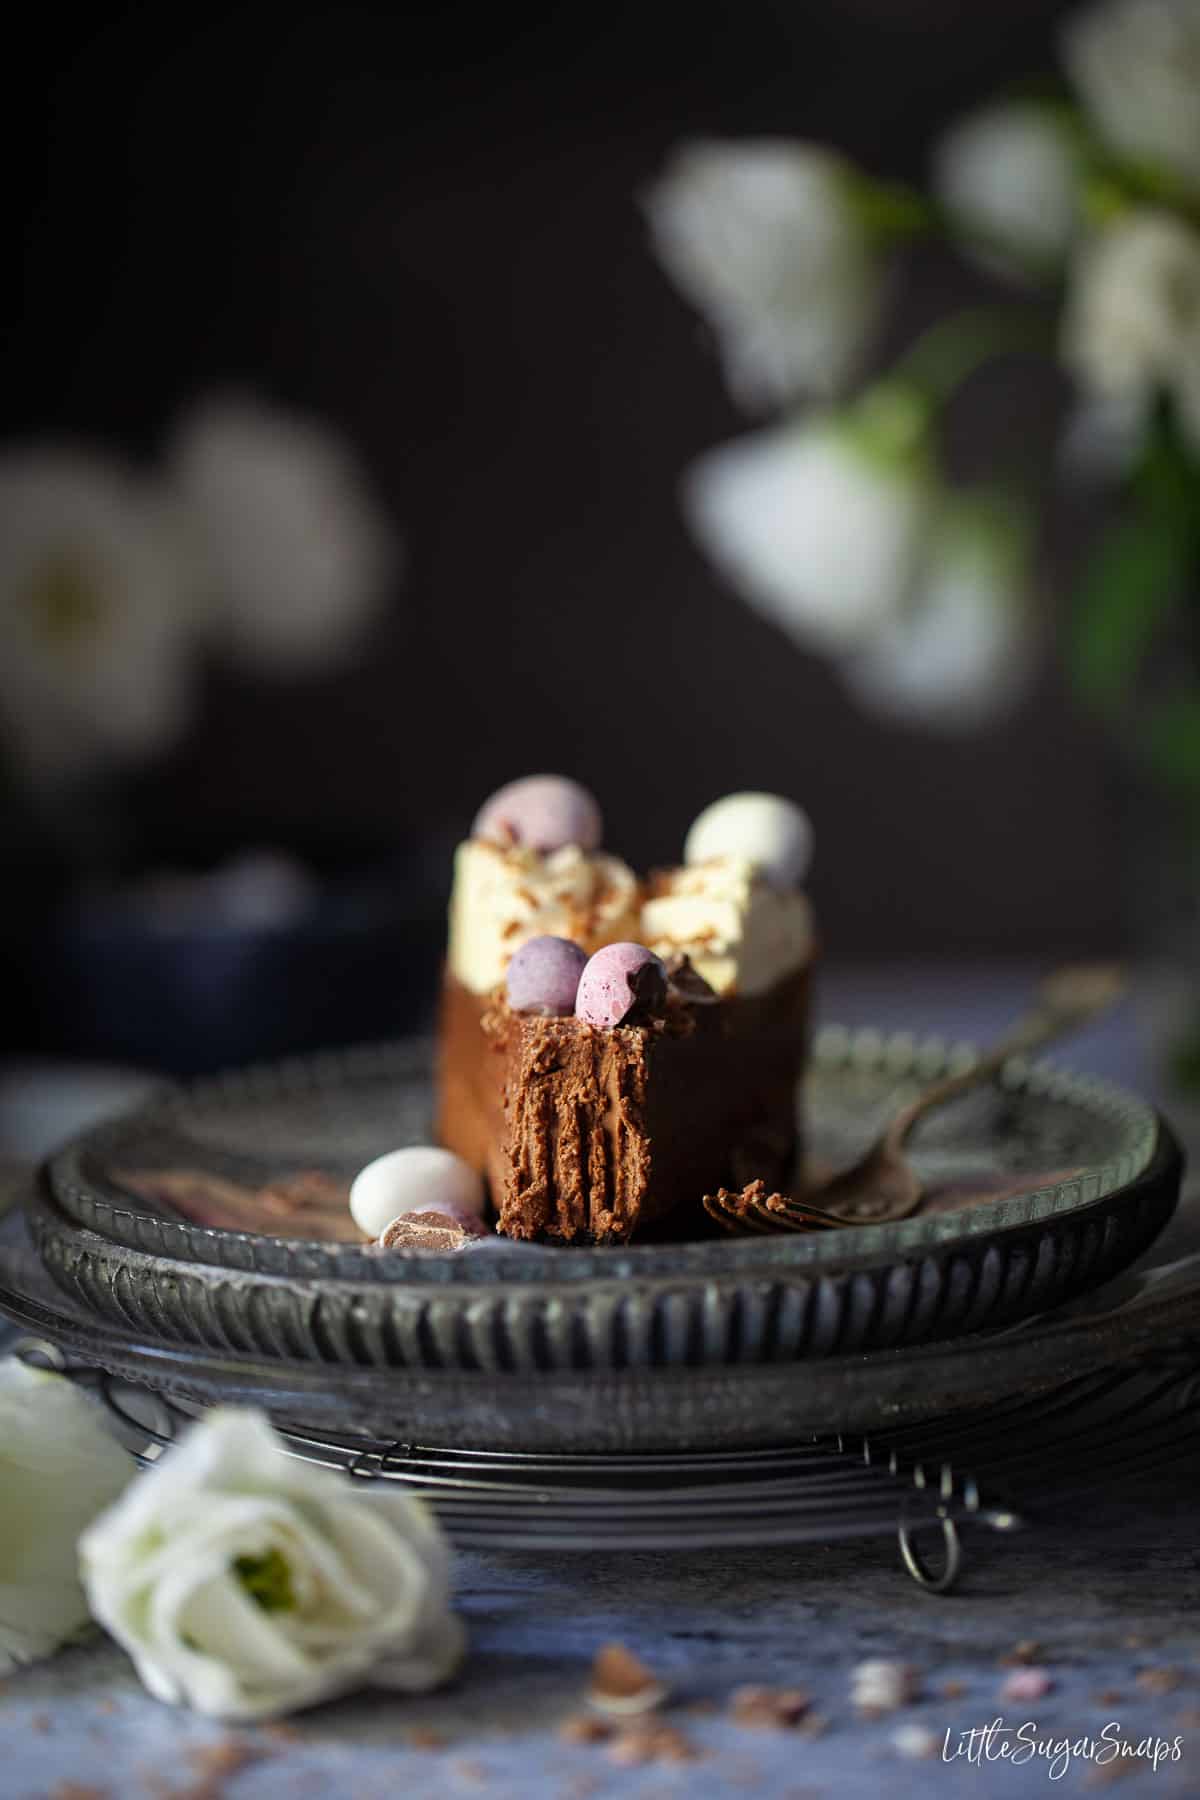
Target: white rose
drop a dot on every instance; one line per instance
(1009, 180)
(962, 652)
(762, 237)
(1132, 320)
(59, 1467)
(294, 556)
(819, 536)
(96, 636)
(1136, 64)
(246, 1583)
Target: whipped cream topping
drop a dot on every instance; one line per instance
(739, 932)
(503, 897)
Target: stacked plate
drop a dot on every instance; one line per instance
(1041, 1188)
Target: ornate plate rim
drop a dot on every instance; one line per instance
(103, 1208)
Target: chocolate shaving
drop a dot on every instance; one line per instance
(621, 1682)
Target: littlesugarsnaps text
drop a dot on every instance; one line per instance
(1024, 1743)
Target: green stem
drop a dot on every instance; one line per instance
(941, 358)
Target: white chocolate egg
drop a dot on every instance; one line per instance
(421, 1178)
(764, 828)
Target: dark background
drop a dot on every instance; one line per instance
(420, 223)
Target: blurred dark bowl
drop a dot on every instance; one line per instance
(105, 983)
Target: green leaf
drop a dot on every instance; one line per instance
(1171, 743)
(1131, 580)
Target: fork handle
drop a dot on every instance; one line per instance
(1068, 999)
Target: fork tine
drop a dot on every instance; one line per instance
(733, 1219)
(796, 1217)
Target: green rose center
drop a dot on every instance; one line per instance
(66, 601)
(267, 1579)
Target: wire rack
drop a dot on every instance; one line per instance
(1002, 1467)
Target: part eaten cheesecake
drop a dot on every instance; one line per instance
(614, 1119)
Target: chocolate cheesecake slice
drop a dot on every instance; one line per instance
(607, 1132)
(591, 1128)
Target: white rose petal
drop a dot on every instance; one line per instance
(59, 1467)
(96, 635)
(819, 537)
(762, 238)
(1132, 320)
(1136, 64)
(294, 555)
(245, 1583)
(962, 653)
(1008, 178)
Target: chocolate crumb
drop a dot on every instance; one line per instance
(621, 1682)
(1158, 1681)
(281, 1732)
(583, 1728)
(953, 1690)
(1028, 1650)
(423, 1737)
(1109, 1697)
(770, 1709)
(651, 1742)
(473, 1774)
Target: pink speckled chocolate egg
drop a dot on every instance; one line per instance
(619, 981)
(540, 812)
(543, 976)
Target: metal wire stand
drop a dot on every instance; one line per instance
(999, 1467)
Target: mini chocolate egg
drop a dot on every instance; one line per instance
(765, 829)
(543, 976)
(421, 1178)
(450, 1227)
(540, 812)
(620, 980)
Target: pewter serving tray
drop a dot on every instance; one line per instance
(504, 1345)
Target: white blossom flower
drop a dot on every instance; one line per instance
(1136, 64)
(246, 1583)
(95, 630)
(762, 236)
(816, 533)
(293, 554)
(59, 1467)
(1009, 179)
(1132, 321)
(962, 651)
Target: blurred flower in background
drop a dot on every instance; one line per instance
(293, 557)
(97, 634)
(767, 240)
(1136, 66)
(819, 524)
(958, 653)
(1132, 325)
(843, 523)
(258, 537)
(1008, 179)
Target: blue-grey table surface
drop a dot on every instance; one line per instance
(1110, 1597)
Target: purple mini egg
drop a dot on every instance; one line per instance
(543, 976)
(619, 981)
(540, 812)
